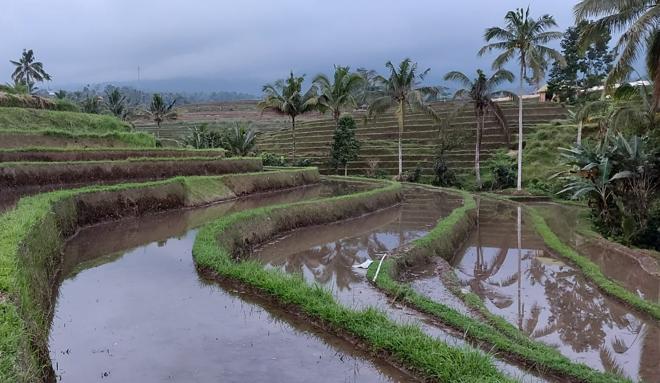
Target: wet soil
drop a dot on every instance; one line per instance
(635, 269)
(328, 255)
(550, 300)
(145, 314)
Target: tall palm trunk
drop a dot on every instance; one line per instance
(656, 88)
(401, 115)
(520, 128)
(293, 137)
(579, 136)
(477, 149)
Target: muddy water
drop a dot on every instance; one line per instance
(145, 315)
(328, 255)
(551, 301)
(634, 269)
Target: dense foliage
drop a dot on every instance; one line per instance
(345, 146)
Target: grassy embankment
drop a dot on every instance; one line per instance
(33, 233)
(496, 332)
(220, 246)
(590, 270)
(69, 125)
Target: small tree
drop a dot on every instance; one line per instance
(345, 146)
(159, 110)
(240, 139)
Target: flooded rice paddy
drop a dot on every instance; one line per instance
(550, 300)
(131, 307)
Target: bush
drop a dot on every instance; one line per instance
(303, 162)
(444, 176)
(200, 137)
(412, 175)
(64, 105)
(503, 169)
(272, 159)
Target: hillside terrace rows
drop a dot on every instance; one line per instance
(420, 138)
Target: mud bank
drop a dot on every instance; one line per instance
(126, 293)
(35, 154)
(22, 174)
(31, 237)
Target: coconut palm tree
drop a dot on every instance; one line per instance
(480, 93)
(639, 22)
(115, 102)
(401, 92)
(285, 97)
(522, 39)
(159, 110)
(340, 94)
(28, 71)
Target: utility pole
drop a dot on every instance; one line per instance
(138, 72)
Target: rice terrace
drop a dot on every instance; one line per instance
(255, 192)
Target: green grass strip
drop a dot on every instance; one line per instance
(590, 270)
(31, 236)
(219, 243)
(139, 139)
(128, 161)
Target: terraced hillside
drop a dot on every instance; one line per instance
(420, 139)
(217, 115)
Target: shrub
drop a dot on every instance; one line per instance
(200, 137)
(272, 159)
(503, 169)
(412, 175)
(64, 105)
(444, 176)
(303, 162)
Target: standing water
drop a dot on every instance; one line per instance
(519, 278)
(131, 307)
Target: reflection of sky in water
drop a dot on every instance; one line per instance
(551, 302)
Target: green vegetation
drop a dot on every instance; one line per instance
(402, 92)
(590, 270)
(480, 93)
(240, 140)
(522, 39)
(344, 147)
(27, 120)
(28, 72)
(286, 97)
(127, 139)
(542, 155)
(637, 23)
(220, 245)
(338, 95)
(160, 111)
(31, 236)
(115, 103)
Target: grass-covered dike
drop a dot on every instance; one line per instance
(220, 247)
(32, 234)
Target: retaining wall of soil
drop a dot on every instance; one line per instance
(101, 154)
(32, 235)
(24, 174)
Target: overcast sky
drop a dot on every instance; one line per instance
(240, 45)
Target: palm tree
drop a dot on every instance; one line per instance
(115, 102)
(480, 93)
(522, 39)
(159, 110)
(639, 21)
(340, 94)
(368, 85)
(60, 94)
(401, 91)
(240, 139)
(285, 97)
(28, 71)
